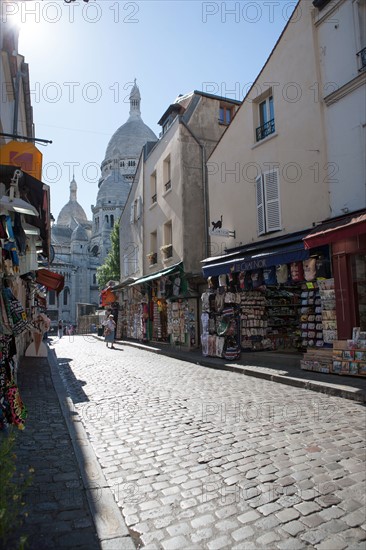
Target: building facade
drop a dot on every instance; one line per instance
(292, 271)
(163, 229)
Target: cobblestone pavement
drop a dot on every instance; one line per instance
(206, 459)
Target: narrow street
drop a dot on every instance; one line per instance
(198, 458)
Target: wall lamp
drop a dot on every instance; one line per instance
(13, 202)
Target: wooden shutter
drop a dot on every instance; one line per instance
(260, 206)
(272, 201)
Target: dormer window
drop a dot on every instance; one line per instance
(225, 114)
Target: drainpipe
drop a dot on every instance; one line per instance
(204, 184)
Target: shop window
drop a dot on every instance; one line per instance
(268, 203)
(225, 114)
(167, 174)
(265, 117)
(153, 192)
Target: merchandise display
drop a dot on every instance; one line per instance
(349, 356)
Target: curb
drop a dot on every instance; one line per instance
(346, 392)
(109, 524)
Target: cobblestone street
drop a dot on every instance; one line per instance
(199, 458)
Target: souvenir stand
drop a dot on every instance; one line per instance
(285, 307)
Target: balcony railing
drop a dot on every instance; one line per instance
(154, 199)
(166, 251)
(362, 55)
(265, 130)
(168, 185)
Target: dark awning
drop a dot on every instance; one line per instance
(50, 279)
(336, 229)
(256, 260)
(167, 271)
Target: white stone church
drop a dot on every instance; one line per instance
(81, 245)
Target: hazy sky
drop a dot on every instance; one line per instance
(83, 58)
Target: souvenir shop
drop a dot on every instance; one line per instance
(24, 239)
(304, 293)
(269, 296)
(160, 308)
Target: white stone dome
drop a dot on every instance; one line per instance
(72, 210)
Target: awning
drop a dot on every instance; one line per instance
(262, 259)
(50, 279)
(167, 271)
(337, 229)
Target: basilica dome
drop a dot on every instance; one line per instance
(130, 138)
(72, 210)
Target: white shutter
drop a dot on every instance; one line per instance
(132, 213)
(138, 208)
(260, 206)
(125, 265)
(272, 200)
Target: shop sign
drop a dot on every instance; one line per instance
(250, 265)
(23, 155)
(220, 232)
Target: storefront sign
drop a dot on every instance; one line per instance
(23, 155)
(250, 265)
(220, 232)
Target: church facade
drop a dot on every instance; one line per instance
(79, 245)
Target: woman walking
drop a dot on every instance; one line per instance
(60, 329)
(109, 331)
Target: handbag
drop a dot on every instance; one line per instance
(107, 331)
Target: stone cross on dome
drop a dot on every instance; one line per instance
(135, 100)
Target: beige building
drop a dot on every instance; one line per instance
(267, 176)
(163, 228)
(288, 181)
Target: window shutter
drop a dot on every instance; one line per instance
(138, 208)
(260, 206)
(272, 199)
(125, 265)
(132, 213)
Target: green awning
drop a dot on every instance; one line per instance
(167, 271)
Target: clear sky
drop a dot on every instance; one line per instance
(83, 58)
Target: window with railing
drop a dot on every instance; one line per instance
(266, 119)
(167, 174)
(152, 256)
(362, 57)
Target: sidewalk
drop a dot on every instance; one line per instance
(283, 368)
(68, 503)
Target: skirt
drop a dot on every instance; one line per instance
(110, 337)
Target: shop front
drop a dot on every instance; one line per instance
(268, 296)
(346, 238)
(162, 308)
(25, 247)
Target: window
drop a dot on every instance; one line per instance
(268, 203)
(66, 296)
(153, 188)
(266, 118)
(51, 298)
(152, 255)
(360, 17)
(106, 219)
(94, 279)
(225, 114)
(167, 174)
(112, 220)
(167, 248)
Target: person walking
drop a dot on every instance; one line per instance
(109, 331)
(60, 329)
